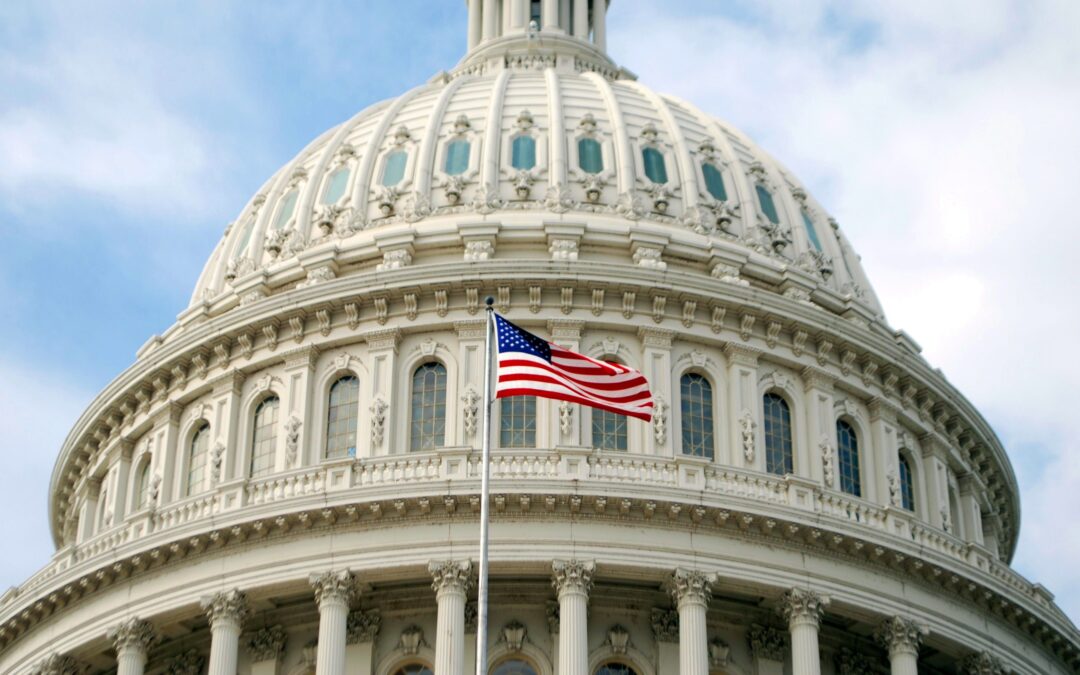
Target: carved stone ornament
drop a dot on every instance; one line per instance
(659, 420)
(900, 634)
(566, 418)
(894, 488)
(363, 626)
(747, 425)
(478, 251)
(552, 612)
(563, 249)
(513, 635)
(451, 575)
(719, 653)
(132, 635)
(472, 617)
(767, 642)
(292, 439)
(572, 575)
(267, 644)
(412, 639)
(187, 663)
(828, 461)
(58, 664)
(470, 410)
(849, 662)
(686, 585)
(665, 624)
(217, 455)
(378, 410)
(339, 586)
(982, 663)
(229, 606)
(650, 258)
(800, 605)
(618, 638)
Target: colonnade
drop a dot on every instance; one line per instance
(572, 580)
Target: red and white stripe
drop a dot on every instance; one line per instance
(576, 378)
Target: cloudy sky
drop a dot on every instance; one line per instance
(942, 134)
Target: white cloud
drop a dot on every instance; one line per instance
(943, 137)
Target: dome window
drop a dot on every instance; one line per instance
(714, 181)
(517, 422)
(335, 185)
(590, 155)
(768, 206)
(848, 455)
(285, 211)
(777, 427)
(198, 453)
(655, 168)
(697, 416)
(811, 231)
(907, 485)
(142, 485)
(514, 666)
(344, 409)
(428, 429)
(608, 430)
(523, 155)
(245, 238)
(394, 169)
(264, 437)
(457, 157)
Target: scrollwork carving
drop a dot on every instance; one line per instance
(267, 644)
(363, 626)
(572, 576)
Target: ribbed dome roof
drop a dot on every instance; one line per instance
(531, 130)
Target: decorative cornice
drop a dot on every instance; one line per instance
(226, 606)
(572, 576)
(333, 587)
(267, 644)
(363, 626)
(800, 606)
(451, 576)
(132, 635)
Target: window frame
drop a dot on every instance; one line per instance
(789, 463)
(712, 410)
(856, 454)
(252, 439)
(197, 428)
(334, 380)
(412, 420)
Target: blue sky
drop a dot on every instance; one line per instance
(942, 136)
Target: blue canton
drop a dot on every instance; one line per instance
(514, 339)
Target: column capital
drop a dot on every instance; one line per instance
(58, 664)
(132, 635)
(897, 635)
(981, 663)
(800, 606)
(571, 576)
(362, 626)
(451, 576)
(333, 586)
(767, 642)
(267, 644)
(665, 625)
(686, 585)
(186, 663)
(228, 606)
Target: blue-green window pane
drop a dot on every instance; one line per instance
(428, 407)
(714, 181)
(285, 211)
(778, 448)
(524, 153)
(847, 449)
(245, 238)
(457, 157)
(655, 169)
(335, 186)
(341, 418)
(264, 437)
(768, 207)
(907, 486)
(517, 422)
(811, 231)
(394, 170)
(608, 430)
(697, 416)
(590, 155)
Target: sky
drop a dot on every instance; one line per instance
(941, 134)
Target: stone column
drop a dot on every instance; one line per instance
(818, 453)
(572, 580)
(333, 593)
(901, 637)
(362, 628)
(549, 10)
(581, 19)
(265, 648)
(599, 22)
(490, 20)
(132, 639)
(691, 591)
(743, 409)
(226, 612)
(450, 581)
(475, 23)
(803, 610)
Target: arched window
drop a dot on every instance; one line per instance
(714, 181)
(264, 437)
(779, 458)
(907, 485)
(768, 207)
(655, 168)
(847, 451)
(285, 211)
(428, 407)
(103, 501)
(335, 185)
(590, 155)
(615, 668)
(811, 231)
(198, 456)
(245, 237)
(394, 169)
(523, 153)
(341, 415)
(457, 157)
(608, 430)
(517, 422)
(513, 666)
(142, 483)
(414, 669)
(697, 416)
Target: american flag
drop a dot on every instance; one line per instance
(532, 366)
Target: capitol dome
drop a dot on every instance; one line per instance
(287, 480)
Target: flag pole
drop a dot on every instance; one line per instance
(482, 586)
